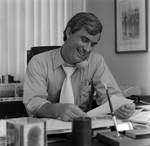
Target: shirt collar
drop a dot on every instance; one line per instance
(58, 60)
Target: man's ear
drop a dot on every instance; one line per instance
(68, 32)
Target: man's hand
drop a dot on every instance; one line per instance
(69, 111)
(125, 111)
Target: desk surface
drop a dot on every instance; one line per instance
(124, 141)
(95, 142)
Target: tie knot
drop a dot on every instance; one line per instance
(68, 70)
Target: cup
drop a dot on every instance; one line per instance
(81, 132)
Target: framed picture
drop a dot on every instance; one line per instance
(131, 26)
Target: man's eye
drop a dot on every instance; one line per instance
(84, 40)
(92, 45)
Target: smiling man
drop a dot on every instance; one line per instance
(45, 74)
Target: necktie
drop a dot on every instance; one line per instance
(66, 95)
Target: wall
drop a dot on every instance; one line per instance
(130, 68)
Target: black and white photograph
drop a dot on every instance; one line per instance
(34, 135)
(75, 72)
(131, 26)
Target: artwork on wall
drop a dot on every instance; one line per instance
(131, 26)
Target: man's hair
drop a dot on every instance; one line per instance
(87, 20)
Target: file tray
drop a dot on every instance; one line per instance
(111, 139)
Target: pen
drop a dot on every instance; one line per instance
(85, 80)
(89, 81)
(112, 111)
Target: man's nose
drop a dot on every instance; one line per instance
(87, 47)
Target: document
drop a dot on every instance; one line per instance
(142, 117)
(104, 109)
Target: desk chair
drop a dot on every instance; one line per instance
(39, 49)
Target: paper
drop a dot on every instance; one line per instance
(116, 101)
(103, 122)
(141, 117)
(145, 107)
(54, 126)
(137, 111)
(2, 128)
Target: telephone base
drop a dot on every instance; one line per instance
(111, 139)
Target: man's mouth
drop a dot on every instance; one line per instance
(81, 53)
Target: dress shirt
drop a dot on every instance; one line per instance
(45, 76)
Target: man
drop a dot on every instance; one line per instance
(45, 75)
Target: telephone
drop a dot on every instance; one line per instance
(128, 90)
(85, 63)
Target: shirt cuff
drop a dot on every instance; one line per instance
(35, 104)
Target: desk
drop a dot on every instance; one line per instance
(95, 142)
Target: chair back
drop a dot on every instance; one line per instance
(39, 49)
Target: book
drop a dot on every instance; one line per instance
(138, 133)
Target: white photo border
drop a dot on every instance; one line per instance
(131, 26)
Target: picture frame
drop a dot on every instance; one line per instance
(131, 26)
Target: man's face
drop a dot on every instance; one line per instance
(79, 46)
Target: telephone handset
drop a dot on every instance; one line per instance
(85, 63)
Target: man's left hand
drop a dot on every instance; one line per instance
(125, 111)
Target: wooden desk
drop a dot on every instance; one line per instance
(95, 142)
(126, 141)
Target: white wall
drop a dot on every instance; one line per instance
(133, 68)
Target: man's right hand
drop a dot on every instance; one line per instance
(69, 111)
(65, 111)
